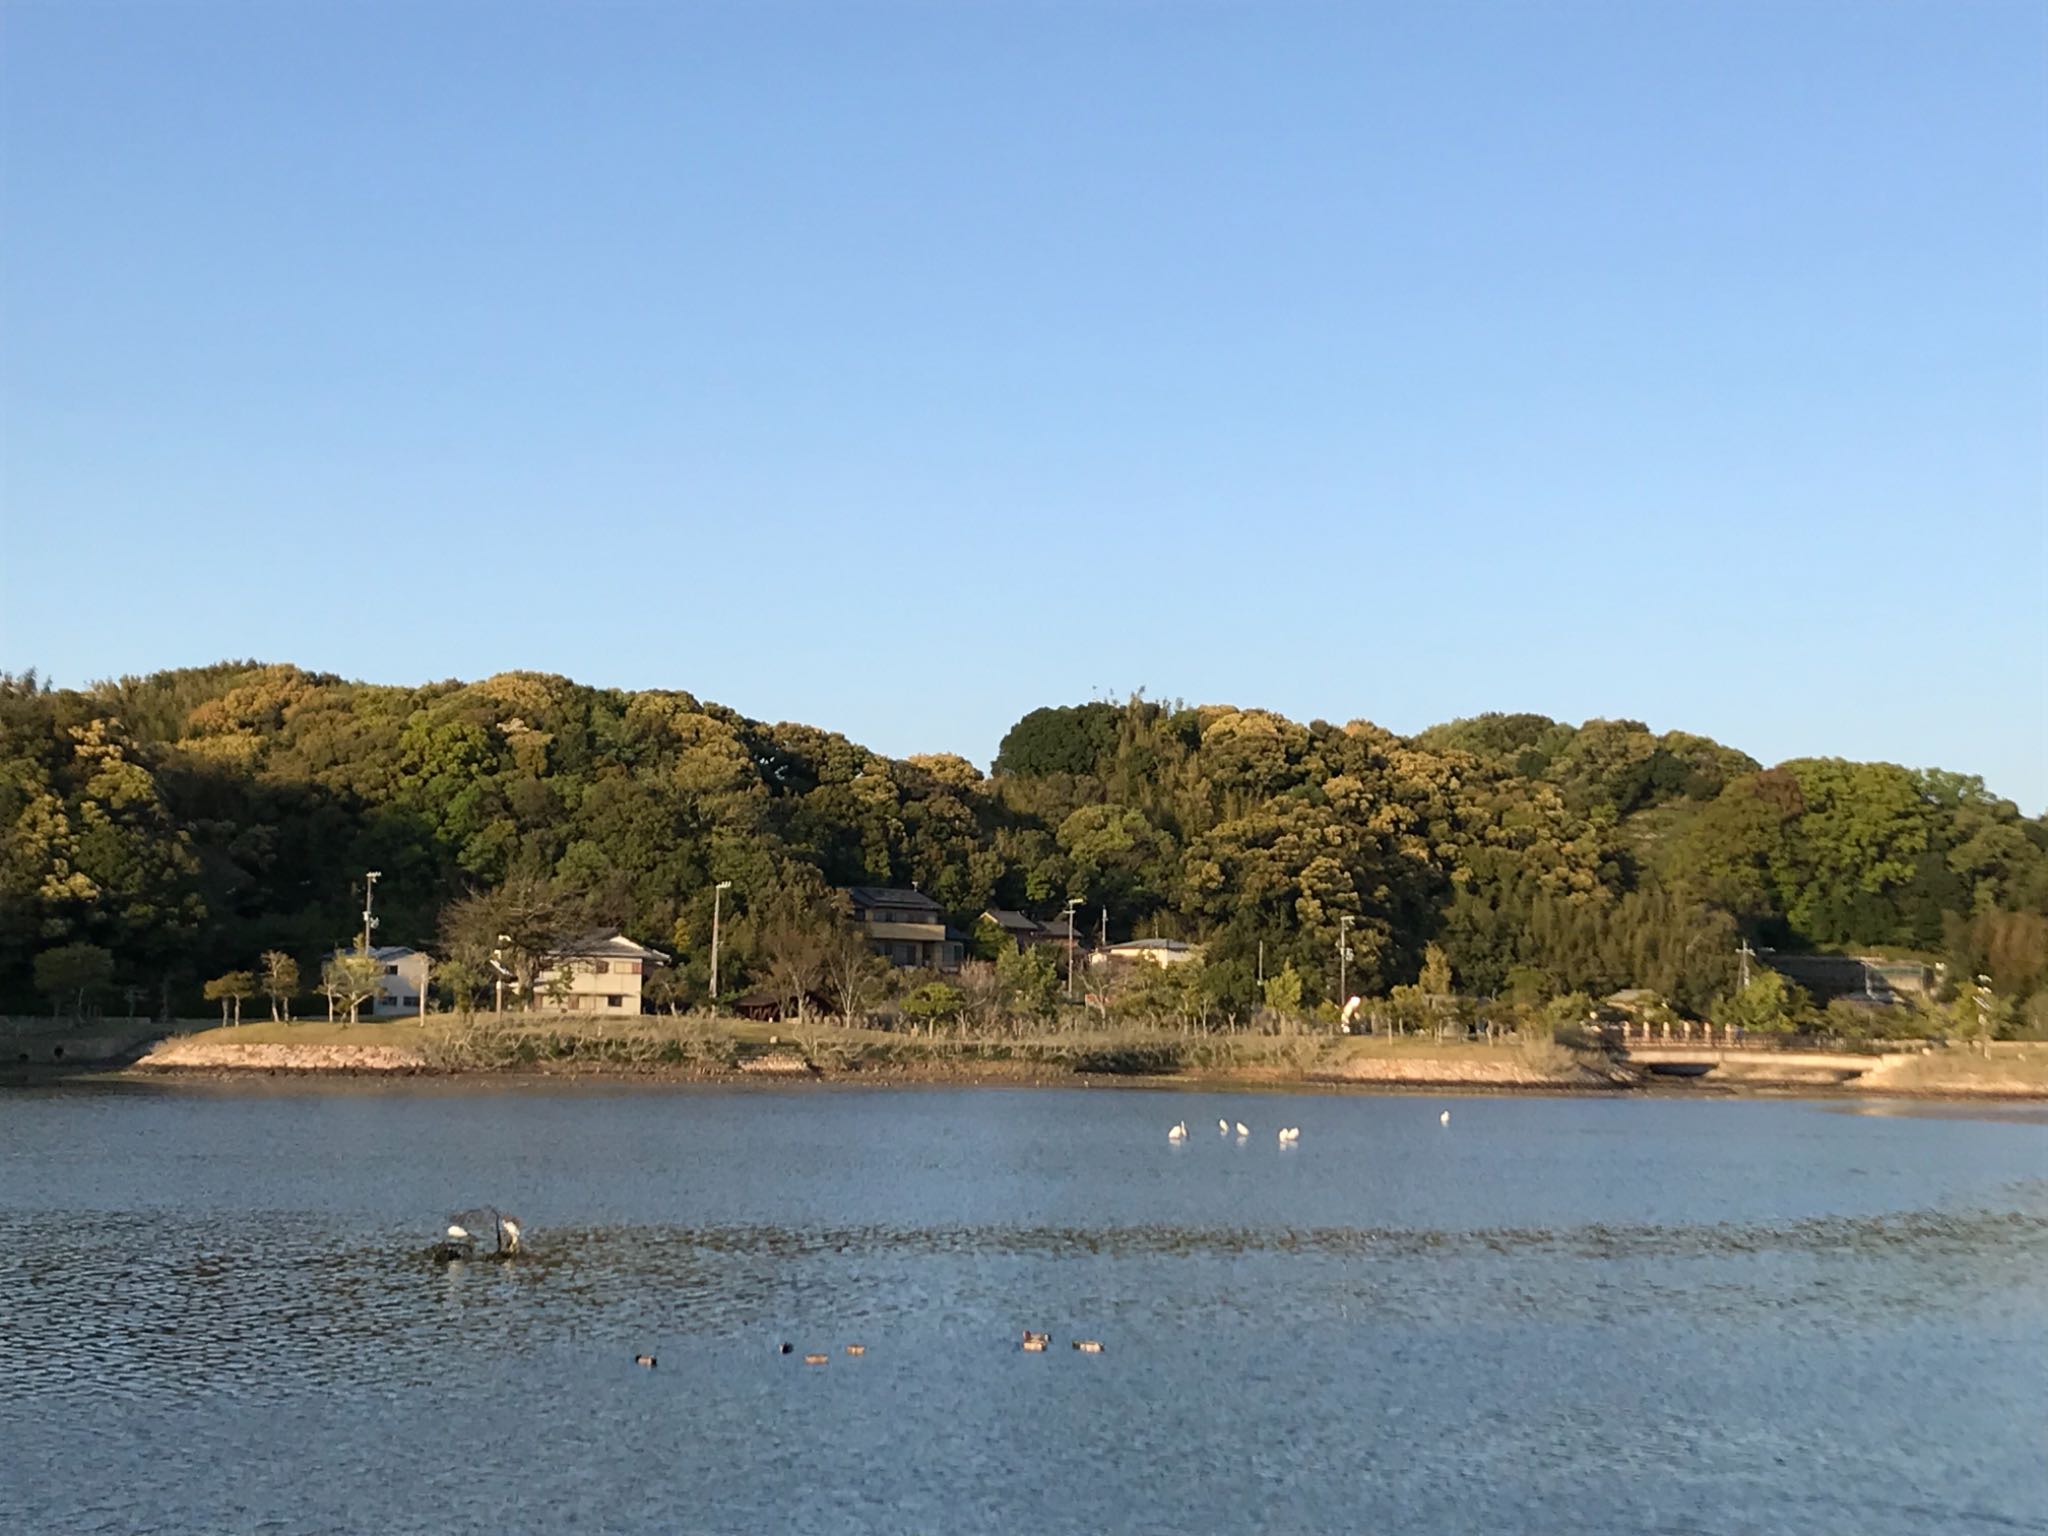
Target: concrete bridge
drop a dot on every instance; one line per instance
(1685, 1049)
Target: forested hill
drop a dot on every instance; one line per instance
(190, 820)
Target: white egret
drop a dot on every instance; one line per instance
(1444, 1118)
(1223, 1127)
(1179, 1132)
(1241, 1129)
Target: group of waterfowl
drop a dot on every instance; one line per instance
(459, 1242)
(1289, 1134)
(1037, 1344)
(787, 1348)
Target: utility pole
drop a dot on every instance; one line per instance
(1343, 956)
(370, 879)
(1072, 903)
(1105, 930)
(717, 897)
(1262, 967)
(1984, 1014)
(1747, 955)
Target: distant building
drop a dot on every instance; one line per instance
(401, 981)
(906, 928)
(1160, 952)
(1023, 931)
(601, 974)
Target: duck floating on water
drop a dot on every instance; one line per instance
(646, 1361)
(1089, 1346)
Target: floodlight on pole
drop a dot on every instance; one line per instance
(370, 879)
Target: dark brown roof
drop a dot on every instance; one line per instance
(1016, 922)
(889, 896)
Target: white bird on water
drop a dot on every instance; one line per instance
(1179, 1132)
(1444, 1118)
(1241, 1130)
(1289, 1135)
(1223, 1127)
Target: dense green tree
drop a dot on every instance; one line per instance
(74, 977)
(1063, 739)
(231, 990)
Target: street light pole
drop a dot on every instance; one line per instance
(370, 879)
(717, 897)
(1343, 957)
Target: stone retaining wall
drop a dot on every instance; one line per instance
(189, 1055)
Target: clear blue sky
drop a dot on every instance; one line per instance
(902, 367)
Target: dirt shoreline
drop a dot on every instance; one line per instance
(1504, 1074)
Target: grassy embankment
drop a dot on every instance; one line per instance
(2011, 1069)
(700, 1046)
(703, 1048)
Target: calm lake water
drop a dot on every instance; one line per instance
(1586, 1315)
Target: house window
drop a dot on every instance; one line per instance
(629, 968)
(616, 1000)
(390, 970)
(599, 967)
(410, 1002)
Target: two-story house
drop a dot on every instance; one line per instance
(601, 973)
(401, 981)
(906, 928)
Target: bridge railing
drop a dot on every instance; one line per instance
(1728, 1037)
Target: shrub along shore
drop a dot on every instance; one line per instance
(703, 1049)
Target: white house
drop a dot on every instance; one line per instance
(401, 982)
(600, 974)
(1160, 952)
